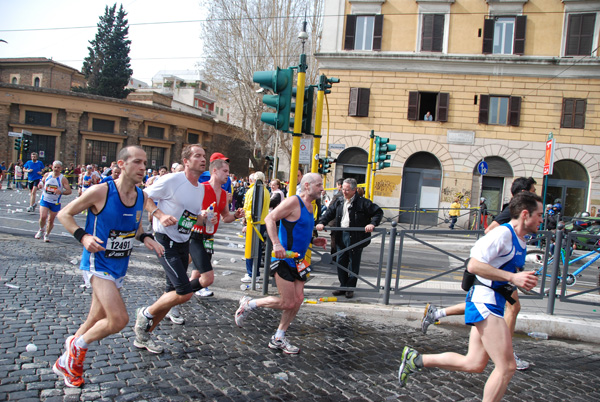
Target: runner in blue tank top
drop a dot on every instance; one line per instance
(494, 260)
(114, 220)
(53, 185)
(295, 234)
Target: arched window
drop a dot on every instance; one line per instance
(14, 81)
(36, 82)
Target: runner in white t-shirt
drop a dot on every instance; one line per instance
(179, 197)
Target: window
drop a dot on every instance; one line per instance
(432, 34)
(573, 113)
(104, 126)
(504, 35)
(156, 132)
(359, 102)
(580, 34)
(101, 153)
(36, 82)
(500, 110)
(193, 138)
(436, 103)
(38, 118)
(363, 32)
(155, 155)
(14, 80)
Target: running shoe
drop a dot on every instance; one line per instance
(70, 380)
(29, 209)
(246, 279)
(205, 292)
(46, 238)
(39, 234)
(408, 365)
(175, 316)
(142, 336)
(428, 317)
(284, 345)
(243, 311)
(148, 344)
(75, 357)
(142, 323)
(521, 364)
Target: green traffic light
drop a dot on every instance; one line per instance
(280, 82)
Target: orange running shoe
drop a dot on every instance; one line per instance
(75, 357)
(70, 381)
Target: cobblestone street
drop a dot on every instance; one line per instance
(209, 358)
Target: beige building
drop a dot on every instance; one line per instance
(80, 128)
(496, 76)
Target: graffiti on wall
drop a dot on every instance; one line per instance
(387, 185)
(449, 194)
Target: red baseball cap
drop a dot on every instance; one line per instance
(218, 155)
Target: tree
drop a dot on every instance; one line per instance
(243, 37)
(108, 66)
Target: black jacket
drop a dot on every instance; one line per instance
(362, 212)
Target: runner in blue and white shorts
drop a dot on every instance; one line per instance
(53, 185)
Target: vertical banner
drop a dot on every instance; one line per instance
(549, 159)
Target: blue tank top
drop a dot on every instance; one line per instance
(518, 260)
(296, 236)
(116, 225)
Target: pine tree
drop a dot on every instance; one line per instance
(108, 68)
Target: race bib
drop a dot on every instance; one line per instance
(51, 189)
(119, 244)
(302, 267)
(209, 245)
(186, 222)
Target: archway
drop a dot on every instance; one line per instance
(568, 182)
(352, 163)
(421, 186)
(492, 184)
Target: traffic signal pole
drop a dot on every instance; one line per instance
(318, 124)
(369, 166)
(297, 134)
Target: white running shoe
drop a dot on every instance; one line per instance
(175, 316)
(47, 238)
(246, 279)
(243, 311)
(521, 364)
(39, 234)
(205, 292)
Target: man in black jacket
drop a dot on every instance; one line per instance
(351, 211)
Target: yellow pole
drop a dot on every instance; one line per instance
(297, 135)
(318, 123)
(369, 168)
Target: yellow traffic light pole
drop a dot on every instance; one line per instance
(317, 135)
(297, 134)
(369, 167)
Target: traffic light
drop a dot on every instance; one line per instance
(26, 145)
(381, 152)
(280, 82)
(328, 84)
(327, 165)
(321, 165)
(307, 109)
(18, 144)
(269, 159)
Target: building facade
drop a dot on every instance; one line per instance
(496, 77)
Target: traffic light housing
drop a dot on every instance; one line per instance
(307, 109)
(280, 82)
(26, 145)
(269, 159)
(328, 84)
(327, 165)
(321, 165)
(381, 152)
(18, 144)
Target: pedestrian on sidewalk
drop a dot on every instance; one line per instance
(496, 260)
(179, 196)
(294, 234)
(114, 219)
(454, 212)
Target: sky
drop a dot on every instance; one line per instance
(154, 46)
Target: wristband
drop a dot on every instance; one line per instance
(79, 233)
(144, 235)
(153, 212)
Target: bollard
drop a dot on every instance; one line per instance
(390, 264)
(555, 268)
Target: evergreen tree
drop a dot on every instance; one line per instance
(108, 67)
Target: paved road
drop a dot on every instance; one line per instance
(344, 356)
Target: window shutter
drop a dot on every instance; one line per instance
(442, 107)
(514, 110)
(378, 32)
(363, 102)
(427, 33)
(579, 118)
(520, 28)
(413, 105)
(567, 113)
(350, 32)
(353, 104)
(488, 36)
(484, 108)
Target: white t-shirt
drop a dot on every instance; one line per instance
(178, 197)
(496, 249)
